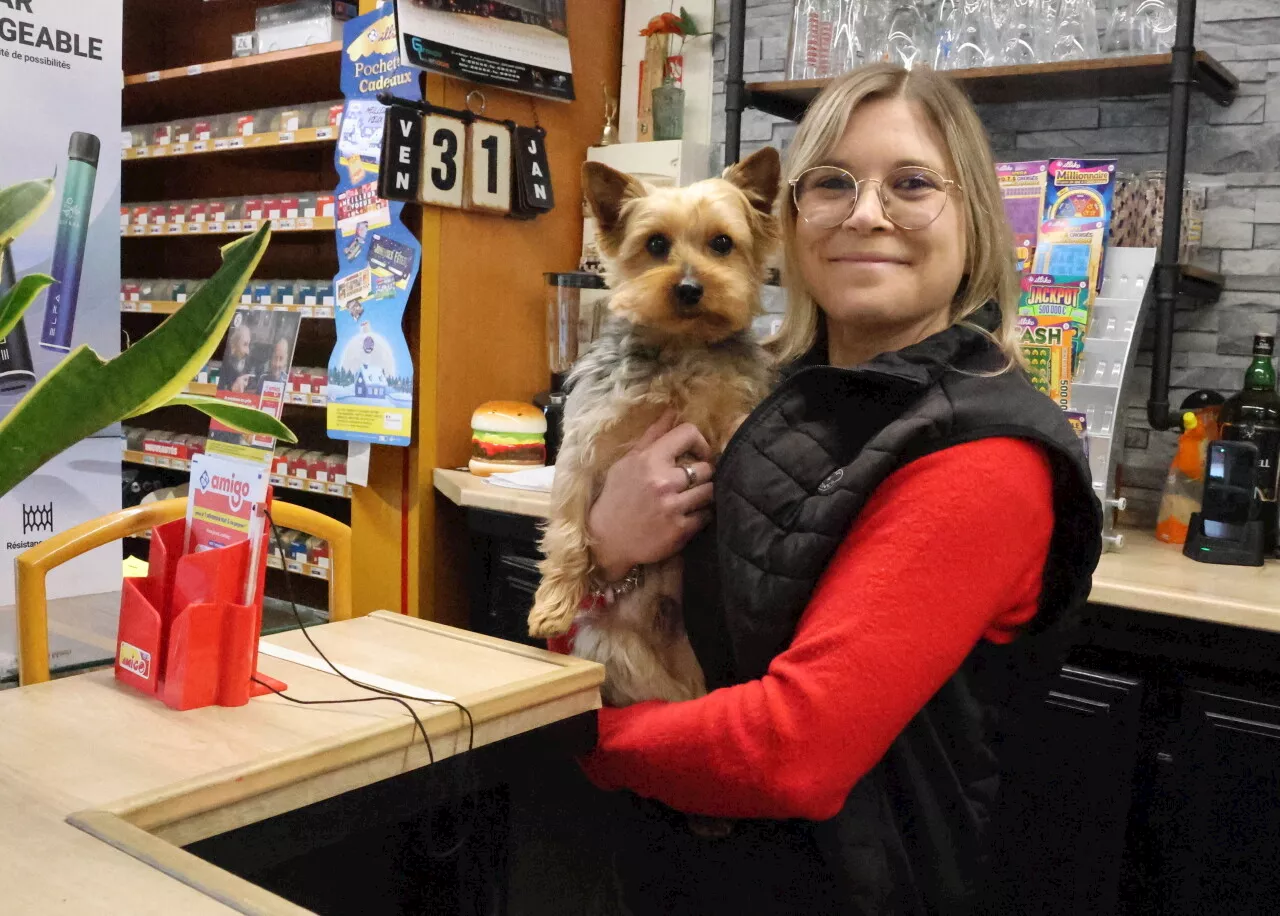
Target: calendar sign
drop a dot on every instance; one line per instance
(379, 160)
(401, 154)
(443, 161)
(533, 172)
(489, 181)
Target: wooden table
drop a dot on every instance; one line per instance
(86, 760)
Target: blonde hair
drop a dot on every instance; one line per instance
(989, 272)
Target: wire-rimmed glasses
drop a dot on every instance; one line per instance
(912, 196)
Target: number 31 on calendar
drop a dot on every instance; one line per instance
(466, 165)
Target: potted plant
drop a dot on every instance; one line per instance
(84, 393)
(664, 74)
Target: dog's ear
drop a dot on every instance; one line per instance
(758, 177)
(606, 191)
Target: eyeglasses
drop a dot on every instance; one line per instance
(912, 196)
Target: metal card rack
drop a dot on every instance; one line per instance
(1110, 351)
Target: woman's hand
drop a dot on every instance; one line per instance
(646, 511)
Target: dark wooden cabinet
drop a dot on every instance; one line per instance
(504, 573)
(1216, 806)
(1071, 795)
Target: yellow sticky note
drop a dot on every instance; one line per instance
(135, 568)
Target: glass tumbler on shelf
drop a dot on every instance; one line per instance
(849, 46)
(1020, 33)
(1117, 37)
(813, 30)
(1072, 30)
(906, 27)
(965, 35)
(1154, 25)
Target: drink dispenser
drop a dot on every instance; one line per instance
(571, 325)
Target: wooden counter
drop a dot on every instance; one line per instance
(462, 489)
(88, 752)
(1145, 575)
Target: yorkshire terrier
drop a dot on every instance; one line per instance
(685, 266)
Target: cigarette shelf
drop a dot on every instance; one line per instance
(307, 74)
(155, 307)
(229, 227)
(290, 139)
(288, 481)
(291, 400)
(274, 562)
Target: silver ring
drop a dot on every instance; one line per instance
(690, 475)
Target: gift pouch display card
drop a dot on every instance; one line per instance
(1048, 298)
(1071, 248)
(1023, 186)
(1047, 344)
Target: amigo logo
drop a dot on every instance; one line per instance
(135, 660)
(235, 488)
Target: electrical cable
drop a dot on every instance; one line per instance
(387, 695)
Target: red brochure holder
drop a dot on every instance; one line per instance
(183, 636)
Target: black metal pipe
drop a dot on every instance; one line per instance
(1168, 274)
(735, 87)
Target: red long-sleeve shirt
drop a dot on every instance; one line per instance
(949, 550)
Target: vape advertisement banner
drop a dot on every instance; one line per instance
(371, 369)
(60, 61)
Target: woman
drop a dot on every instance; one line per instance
(902, 533)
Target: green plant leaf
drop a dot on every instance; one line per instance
(687, 25)
(20, 205)
(83, 394)
(19, 299)
(240, 418)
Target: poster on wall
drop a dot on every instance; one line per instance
(521, 45)
(370, 393)
(257, 358)
(64, 123)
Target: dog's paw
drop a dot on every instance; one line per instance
(547, 620)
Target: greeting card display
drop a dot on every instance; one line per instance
(370, 392)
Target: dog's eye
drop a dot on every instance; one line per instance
(658, 245)
(721, 244)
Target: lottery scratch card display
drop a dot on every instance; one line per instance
(1082, 189)
(1023, 186)
(1054, 300)
(370, 396)
(1071, 248)
(1047, 344)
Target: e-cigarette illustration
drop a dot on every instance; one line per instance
(16, 372)
(68, 249)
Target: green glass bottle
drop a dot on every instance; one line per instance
(1253, 415)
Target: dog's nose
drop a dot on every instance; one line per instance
(688, 292)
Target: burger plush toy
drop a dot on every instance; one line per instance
(507, 436)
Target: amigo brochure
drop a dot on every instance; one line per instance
(227, 505)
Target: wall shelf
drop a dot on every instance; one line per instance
(300, 75)
(230, 227)
(286, 481)
(275, 140)
(168, 308)
(1099, 78)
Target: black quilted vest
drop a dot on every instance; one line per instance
(914, 835)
